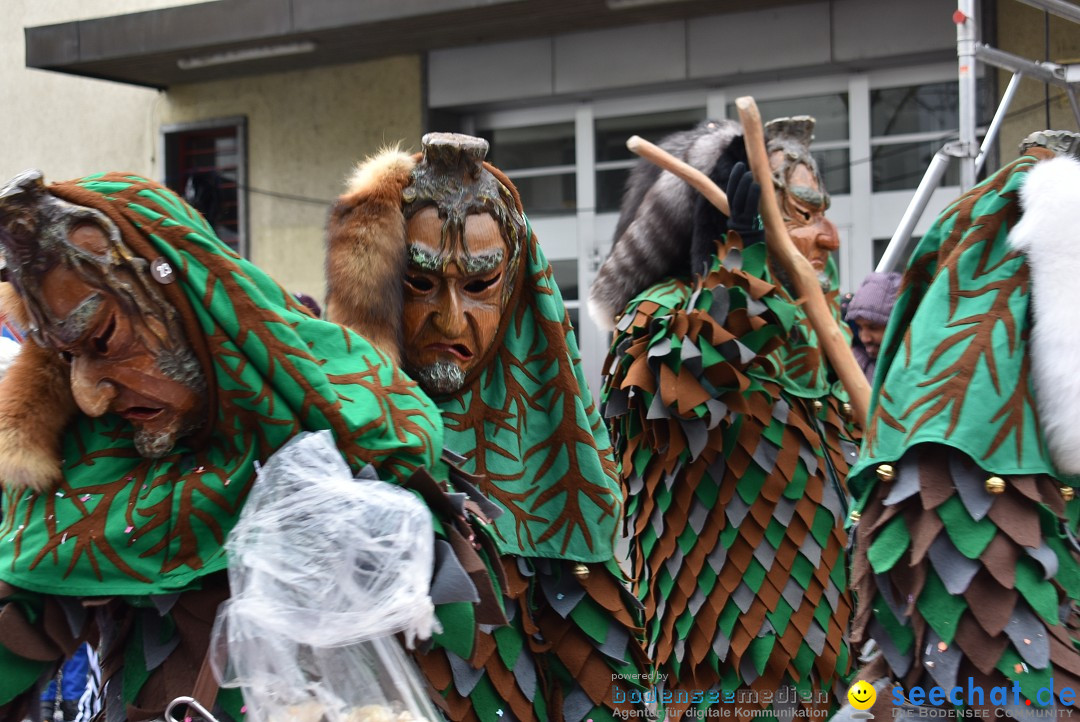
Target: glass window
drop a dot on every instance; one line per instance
(540, 160)
(830, 113)
(609, 188)
(534, 146)
(902, 165)
(574, 312)
(547, 194)
(566, 278)
(923, 108)
(881, 244)
(833, 165)
(614, 160)
(204, 166)
(913, 109)
(611, 133)
(931, 111)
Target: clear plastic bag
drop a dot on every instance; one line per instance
(324, 569)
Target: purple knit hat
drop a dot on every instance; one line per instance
(874, 300)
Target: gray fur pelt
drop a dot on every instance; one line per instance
(656, 221)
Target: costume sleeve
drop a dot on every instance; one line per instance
(524, 638)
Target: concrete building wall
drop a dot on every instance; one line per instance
(306, 130)
(64, 125)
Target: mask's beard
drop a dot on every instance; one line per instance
(785, 280)
(824, 281)
(156, 444)
(441, 377)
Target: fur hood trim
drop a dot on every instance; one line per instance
(1050, 237)
(369, 174)
(35, 406)
(365, 255)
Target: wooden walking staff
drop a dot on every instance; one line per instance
(798, 266)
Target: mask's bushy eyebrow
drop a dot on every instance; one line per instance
(480, 262)
(484, 261)
(69, 330)
(424, 259)
(809, 195)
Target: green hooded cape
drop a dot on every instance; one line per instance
(122, 525)
(965, 562)
(956, 334)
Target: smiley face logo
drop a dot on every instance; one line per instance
(862, 695)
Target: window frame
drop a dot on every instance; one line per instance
(239, 125)
(925, 75)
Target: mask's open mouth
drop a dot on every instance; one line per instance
(461, 351)
(140, 413)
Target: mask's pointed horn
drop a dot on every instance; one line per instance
(20, 218)
(30, 182)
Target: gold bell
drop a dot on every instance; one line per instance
(995, 485)
(855, 516)
(1067, 493)
(849, 412)
(818, 406)
(885, 472)
(581, 571)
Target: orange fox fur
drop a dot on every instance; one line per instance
(365, 258)
(35, 406)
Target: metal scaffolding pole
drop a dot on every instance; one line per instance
(1063, 9)
(999, 118)
(1063, 76)
(965, 52)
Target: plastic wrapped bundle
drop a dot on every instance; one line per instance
(324, 569)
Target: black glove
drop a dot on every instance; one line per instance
(744, 199)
